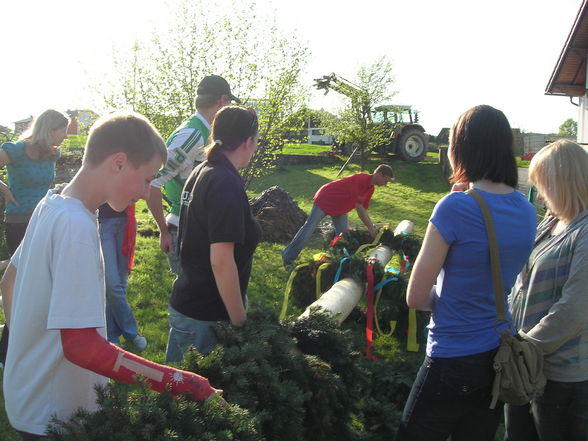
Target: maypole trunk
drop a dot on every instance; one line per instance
(344, 295)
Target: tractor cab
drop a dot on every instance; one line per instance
(395, 114)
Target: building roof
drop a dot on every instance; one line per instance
(569, 76)
(26, 120)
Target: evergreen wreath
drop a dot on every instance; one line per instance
(342, 252)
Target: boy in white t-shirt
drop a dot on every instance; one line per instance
(53, 290)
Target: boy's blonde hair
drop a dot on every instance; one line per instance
(129, 133)
(560, 173)
(39, 136)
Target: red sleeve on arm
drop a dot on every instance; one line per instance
(87, 349)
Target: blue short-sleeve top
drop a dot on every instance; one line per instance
(28, 180)
(464, 309)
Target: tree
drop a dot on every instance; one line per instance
(354, 125)
(303, 119)
(159, 77)
(568, 128)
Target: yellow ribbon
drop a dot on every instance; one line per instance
(411, 343)
(392, 323)
(289, 289)
(318, 256)
(319, 272)
(375, 242)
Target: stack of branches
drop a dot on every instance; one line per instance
(292, 380)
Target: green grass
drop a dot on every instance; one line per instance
(412, 196)
(521, 163)
(305, 149)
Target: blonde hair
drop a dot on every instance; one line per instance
(560, 173)
(129, 133)
(39, 136)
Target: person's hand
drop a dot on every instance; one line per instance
(217, 395)
(8, 196)
(461, 186)
(195, 386)
(165, 241)
(239, 319)
(373, 231)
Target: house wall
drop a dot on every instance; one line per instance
(72, 129)
(315, 135)
(533, 142)
(22, 125)
(583, 120)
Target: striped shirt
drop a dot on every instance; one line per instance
(549, 300)
(185, 150)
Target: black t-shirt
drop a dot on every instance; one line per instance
(214, 209)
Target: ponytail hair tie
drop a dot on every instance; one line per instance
(218, 142)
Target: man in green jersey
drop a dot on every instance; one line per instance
(185, 150)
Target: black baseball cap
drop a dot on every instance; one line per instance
(216, 85)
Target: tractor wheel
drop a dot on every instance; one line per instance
(412, 145)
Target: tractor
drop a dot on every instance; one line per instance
(407, 137)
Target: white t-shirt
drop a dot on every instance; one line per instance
(59, 285)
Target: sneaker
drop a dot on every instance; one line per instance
(140, 342)
(288, 264)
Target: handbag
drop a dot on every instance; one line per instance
(518, 364)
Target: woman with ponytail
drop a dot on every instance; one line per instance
(217, 237)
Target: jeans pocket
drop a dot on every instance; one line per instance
(465, 378)
(181, 327)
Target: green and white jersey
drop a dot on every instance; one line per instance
(185, 148)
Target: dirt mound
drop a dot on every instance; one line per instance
(278, 214)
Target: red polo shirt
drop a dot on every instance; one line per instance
(340, 196)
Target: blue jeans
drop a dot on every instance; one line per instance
(29, 436)
(451, 396)
(120, 320)
(560, 414)
(292, 251)
(184, 332)
(173, 257)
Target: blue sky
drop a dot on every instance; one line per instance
(448, 56)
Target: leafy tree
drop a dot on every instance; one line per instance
(300, 120)
(159, 77)
(354, 125)
(568, 128)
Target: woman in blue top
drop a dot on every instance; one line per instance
(452, 278)
(30, 167)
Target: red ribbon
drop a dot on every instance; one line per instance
(369, 325)
(403, 264)
(317, 264)
(335, 240)
(128, 247)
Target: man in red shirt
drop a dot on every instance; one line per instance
(336, 199)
